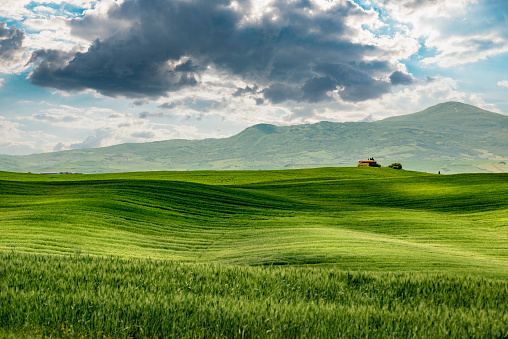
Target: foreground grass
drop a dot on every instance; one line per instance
(82, 296)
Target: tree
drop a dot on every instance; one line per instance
(395, 165)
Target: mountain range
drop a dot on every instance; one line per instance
(451, 137)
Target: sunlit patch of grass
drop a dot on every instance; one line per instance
(372, 219)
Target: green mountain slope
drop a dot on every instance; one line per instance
(453, 117)
(485, 132)
(450, 136)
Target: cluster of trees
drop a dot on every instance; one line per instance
(395, 165)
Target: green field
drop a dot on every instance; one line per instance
(326, 252)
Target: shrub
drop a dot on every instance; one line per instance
(395, 165)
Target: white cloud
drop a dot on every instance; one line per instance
(459, 50)
(503, 83)
(95, 22)
(131, 133)
(445, 27)
(102, 127)
(44, 9)
(47, 27)
(77, 118)
(417, 11)
(12, 49)
(2, 81)
(365, 26)
(397, 47)
(58, 38)
(15, 140)
(477, 100)
(16, 9)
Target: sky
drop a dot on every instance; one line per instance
(90, 73)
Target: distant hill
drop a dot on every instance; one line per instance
(452, 117)
(451, 137)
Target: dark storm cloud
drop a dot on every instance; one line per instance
(373, 67)
(278, 93)
(160, 46)
(11, 41)
(187, 67)
(399, 78)
(106, 70)
(354, 84)
(140, 102)
(200, 105)
(315, 89)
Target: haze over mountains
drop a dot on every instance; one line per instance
(451, 137)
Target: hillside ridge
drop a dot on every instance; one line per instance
(448, 135)
(451, 117)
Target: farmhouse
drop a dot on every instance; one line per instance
(367, 163)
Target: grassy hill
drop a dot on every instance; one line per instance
(450, 137)
(329, 252)
(373, 219)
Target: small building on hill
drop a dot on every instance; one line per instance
(368, 163)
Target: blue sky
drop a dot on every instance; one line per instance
(91, 73)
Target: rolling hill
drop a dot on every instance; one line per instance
(359, 218)
(450, 137)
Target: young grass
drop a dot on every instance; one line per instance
(82, 296)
